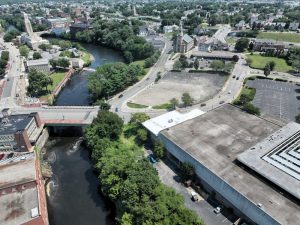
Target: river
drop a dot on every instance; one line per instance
(74, 197)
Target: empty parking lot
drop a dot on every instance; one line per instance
(279, 99)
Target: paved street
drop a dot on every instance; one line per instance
(280, 99)
(120, 103)
(201, 208)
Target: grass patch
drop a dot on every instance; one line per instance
(87, 59)
(249, 92)
(280, 36)
(259, 62)
(136, 106)
(244, 101)
(57, 77)
(230, 40)
(163, 106)
(141, 63)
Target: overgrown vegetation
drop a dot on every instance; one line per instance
(244, 101)
(110, 79)
(38, 83)
(3, 62)
(128, 179)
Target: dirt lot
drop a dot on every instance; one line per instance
(201, 86)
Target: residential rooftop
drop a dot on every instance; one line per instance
(216, 138)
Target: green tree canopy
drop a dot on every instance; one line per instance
(241, 44)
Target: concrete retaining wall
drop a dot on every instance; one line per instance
(42, 139)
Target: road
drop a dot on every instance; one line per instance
(15, 66)
(119, 104)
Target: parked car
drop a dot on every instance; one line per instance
(152, 159)
(233, 76)
(221, 102)
(237, 78)
(218, 209)
(203, 104)
(121, 95)
(116, 109)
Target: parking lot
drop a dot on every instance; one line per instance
(279, 99)
(201, 207)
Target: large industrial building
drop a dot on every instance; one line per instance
(22, 191)
(250, 164)
(19, 132)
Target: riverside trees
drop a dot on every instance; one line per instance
(38, 82)
(129, 180)
(110, 79)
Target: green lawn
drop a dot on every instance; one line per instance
(86, 57)
(280, 36)
(230, 40)
(141, 63)
(259, 62)
(57, 77)
(163, 106)
(136, 106)
(249, 92)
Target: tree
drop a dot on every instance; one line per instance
(187, 171)
(217, 65)
(63, 62)
(251, 46)
(183, 61)
(38, 81)
(53, 63)
(296, 65)
(139, 118)
(187, 99)
(24, 51)
(267, 70)
(235, 58)
(177, 65)
(103, 105)
(159, 149)
(174, 102)
(196, 64)
(141, 135)
(37, 55)
(45, 47)
(241, 44)
(297, 118)
(5, 55)
(249, 108)
(272, 65)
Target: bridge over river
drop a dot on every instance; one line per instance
(62, 115)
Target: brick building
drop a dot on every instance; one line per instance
(19, 132)
(22, 192)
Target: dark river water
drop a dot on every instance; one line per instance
(74, 197)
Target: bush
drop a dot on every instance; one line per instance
(281, 80)
(250, 108)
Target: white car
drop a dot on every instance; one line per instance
(229, 92)
(194, 196)
(218, 209)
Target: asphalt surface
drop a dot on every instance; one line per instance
(279, 99)
(202, 208)
(117, 102)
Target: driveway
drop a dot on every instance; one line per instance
(202, 208)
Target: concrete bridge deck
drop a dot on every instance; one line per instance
(62, 115)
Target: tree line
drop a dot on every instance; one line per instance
(110, 79)
(3, 63)
(129, 180)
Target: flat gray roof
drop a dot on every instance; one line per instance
(277, 158)
(17, 171)
(15, 207)
(38, 62)
(14, 123)
(216, 138)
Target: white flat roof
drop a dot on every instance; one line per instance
(38, 62)
(170, 119)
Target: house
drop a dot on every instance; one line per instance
(76, 63)
(212, 44)
(264, 45)
(41, 65)
(241, 25)
(143, 31)
(294, 26)
(170, 29)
